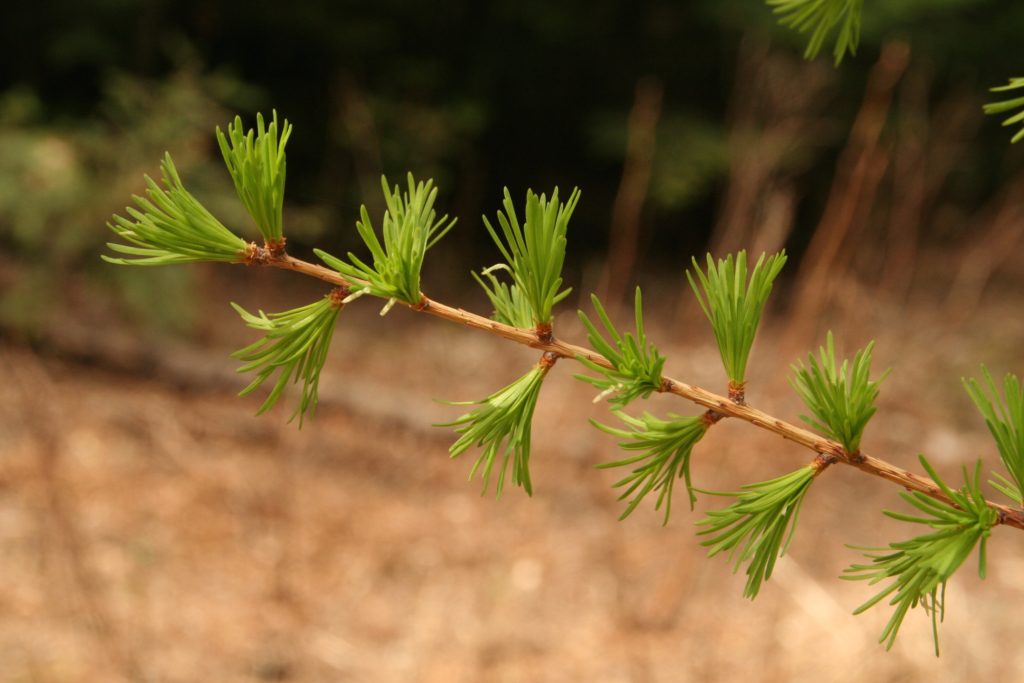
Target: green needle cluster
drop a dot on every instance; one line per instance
(1010, 105)
(256, 162)
(636, 363)
(294, 345)
(664, 449)
(734, 305)
(409, 231)
(501, 426)
(819, 18)
(842, 399)
(759, 526)
(921, 566)
(534, 251)
(1005, 419)
(510, 305)
(171, 226)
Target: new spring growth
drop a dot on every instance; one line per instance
(534, 251)
(758, 528)
(734, 306)
(663, 449)
(501, 425)
(1009, 105)
(171, 226)
(841, 398)
(1004, 416)
(256, 162)
(510, 304)
(636, 363)
(820, 18)
(294, 345)
(410, 229)
(920, 567)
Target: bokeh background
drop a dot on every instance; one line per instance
(151, 529)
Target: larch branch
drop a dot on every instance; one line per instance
(720, 405)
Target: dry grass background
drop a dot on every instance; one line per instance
(153, 530)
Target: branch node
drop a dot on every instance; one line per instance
(423, 304)
(737, 392)
(275, 249)
(855, 458)
(711, 417)
(271, 252)
(338, 296)
(545, 334)
(666, 385)
(823, 461)
(548, 359)
(255, 255)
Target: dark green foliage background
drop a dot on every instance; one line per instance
(477, 95)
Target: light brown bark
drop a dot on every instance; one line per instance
(721, 405)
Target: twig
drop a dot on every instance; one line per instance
(720, 405)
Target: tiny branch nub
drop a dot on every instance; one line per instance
(545, 334)
(737, 392)
(823, 462)
(711, 417)
(272, 251)
(275, 248)
(255, 255)
(338, 296)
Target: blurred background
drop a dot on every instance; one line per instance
(151, 529)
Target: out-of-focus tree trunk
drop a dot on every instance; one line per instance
(825, 265)
(627, 210)
(993, 248)
(774, 119)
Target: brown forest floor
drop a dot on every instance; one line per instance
(153, 530)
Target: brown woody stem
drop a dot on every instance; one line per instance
(718, 406)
